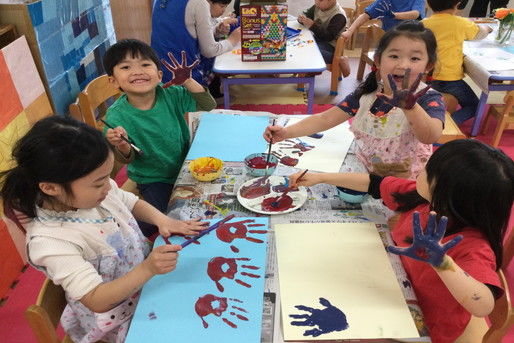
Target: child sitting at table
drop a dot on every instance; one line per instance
(326, 19)
(152, 116)
(390, 12)
(81, 230)
(451, 31)
(394, 130)
(470, 186)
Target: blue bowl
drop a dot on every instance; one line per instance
(351, 196)
(256, 164)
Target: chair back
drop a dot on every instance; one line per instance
(44, 316)
(373, 35)
(502, 316)
(92, 100)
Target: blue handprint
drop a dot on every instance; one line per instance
(427, 246)
(327, 320)
(406, 97)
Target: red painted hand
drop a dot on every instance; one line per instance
(204, 307)
(216, 269)
(238, 230)
(180, 71)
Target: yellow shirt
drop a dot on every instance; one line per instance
(450, 32)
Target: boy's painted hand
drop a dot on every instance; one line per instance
(277, 132)
(406, 97)
(163, 259)
(307, 22)
(114, 137)
(170, 226)
(427, 246)
(385, 8)
(309, 179)
(180, 71)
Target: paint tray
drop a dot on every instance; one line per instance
(290, 32)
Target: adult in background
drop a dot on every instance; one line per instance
(187, 25)
(479, 7)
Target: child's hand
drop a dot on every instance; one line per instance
(385, 8)
(278, 133)
(427, 246)
(163, 259)
(235, 37)
(181, 72)
(170, 226)
(302, 19)
(309, 179)
(406, 97)
(114, 138)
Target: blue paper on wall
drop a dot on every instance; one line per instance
(214, 295)
(228, 137)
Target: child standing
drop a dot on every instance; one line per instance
(390, 12)
(393, 133)
(455, 288)
(82, 233)
(152, 116)
(450, 32)
(326, 19)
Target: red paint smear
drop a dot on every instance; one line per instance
(254, 225)
(252, 192)
(255, 276)
(234, 249)
(203, 307)
(242, 283)
(289, 161)
(277, 204)
(215, 269)
(240, 309)
(259, 162)
(249, 267)
(229, 323)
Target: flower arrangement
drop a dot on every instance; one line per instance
(506, 19)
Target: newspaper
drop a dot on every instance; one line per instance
(217, 199)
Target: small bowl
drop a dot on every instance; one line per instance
(206, 168)
(351, 196)
(256, 164)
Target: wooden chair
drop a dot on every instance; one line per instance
(334, 68)
(504, 115)
(450, 102)
(44, 316)
(360, 6)
(451, 130)
(373, 35)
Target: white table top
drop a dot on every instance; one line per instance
(303, 56)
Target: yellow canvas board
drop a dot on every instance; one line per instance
(346, 264)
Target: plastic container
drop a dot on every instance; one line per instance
(206, 168)
(256, 164)
(351, 196)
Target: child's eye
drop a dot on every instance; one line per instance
(124, 67)
(416, 59)
(146, 64)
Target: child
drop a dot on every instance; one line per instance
(472, 185)
(152, 116)
(82, 233)
(390, 12)
(326, 19)
(393, 137)
(450, 32)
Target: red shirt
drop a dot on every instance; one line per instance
(445, 318)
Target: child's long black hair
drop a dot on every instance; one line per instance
(472, 184)
(56, 149)
(413, 29)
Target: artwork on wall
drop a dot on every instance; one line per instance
(216, 292)
(23, 101)
(336, 282)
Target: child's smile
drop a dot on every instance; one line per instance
(136, 75)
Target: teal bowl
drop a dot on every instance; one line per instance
(256, 164)
(351, 196)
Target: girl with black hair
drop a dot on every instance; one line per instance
(451, 264)
(81, 229)
(395, 117)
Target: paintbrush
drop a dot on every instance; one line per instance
(284, 193)
(129, 141)
(269, 151)
(203, 232)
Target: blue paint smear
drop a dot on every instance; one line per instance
(316, 135)
(328, 319)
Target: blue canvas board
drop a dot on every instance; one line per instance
(228, 137)
(168, 308)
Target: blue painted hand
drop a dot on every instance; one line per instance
(427, 246)
(406, 97)
(327, 320)
(385, 8)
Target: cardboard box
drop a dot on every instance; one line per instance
(263, 31)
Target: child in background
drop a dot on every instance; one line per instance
(451, 31)
(472, 185)
(326, 19)
(390, 12)
(82, 233)
(394, 130)
(152, 116)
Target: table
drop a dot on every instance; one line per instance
(302, 64)
(481, 61)
(322, 206)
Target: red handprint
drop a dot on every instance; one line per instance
(180, 71)
(225, 233)
(204, 307)
(216, 273)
